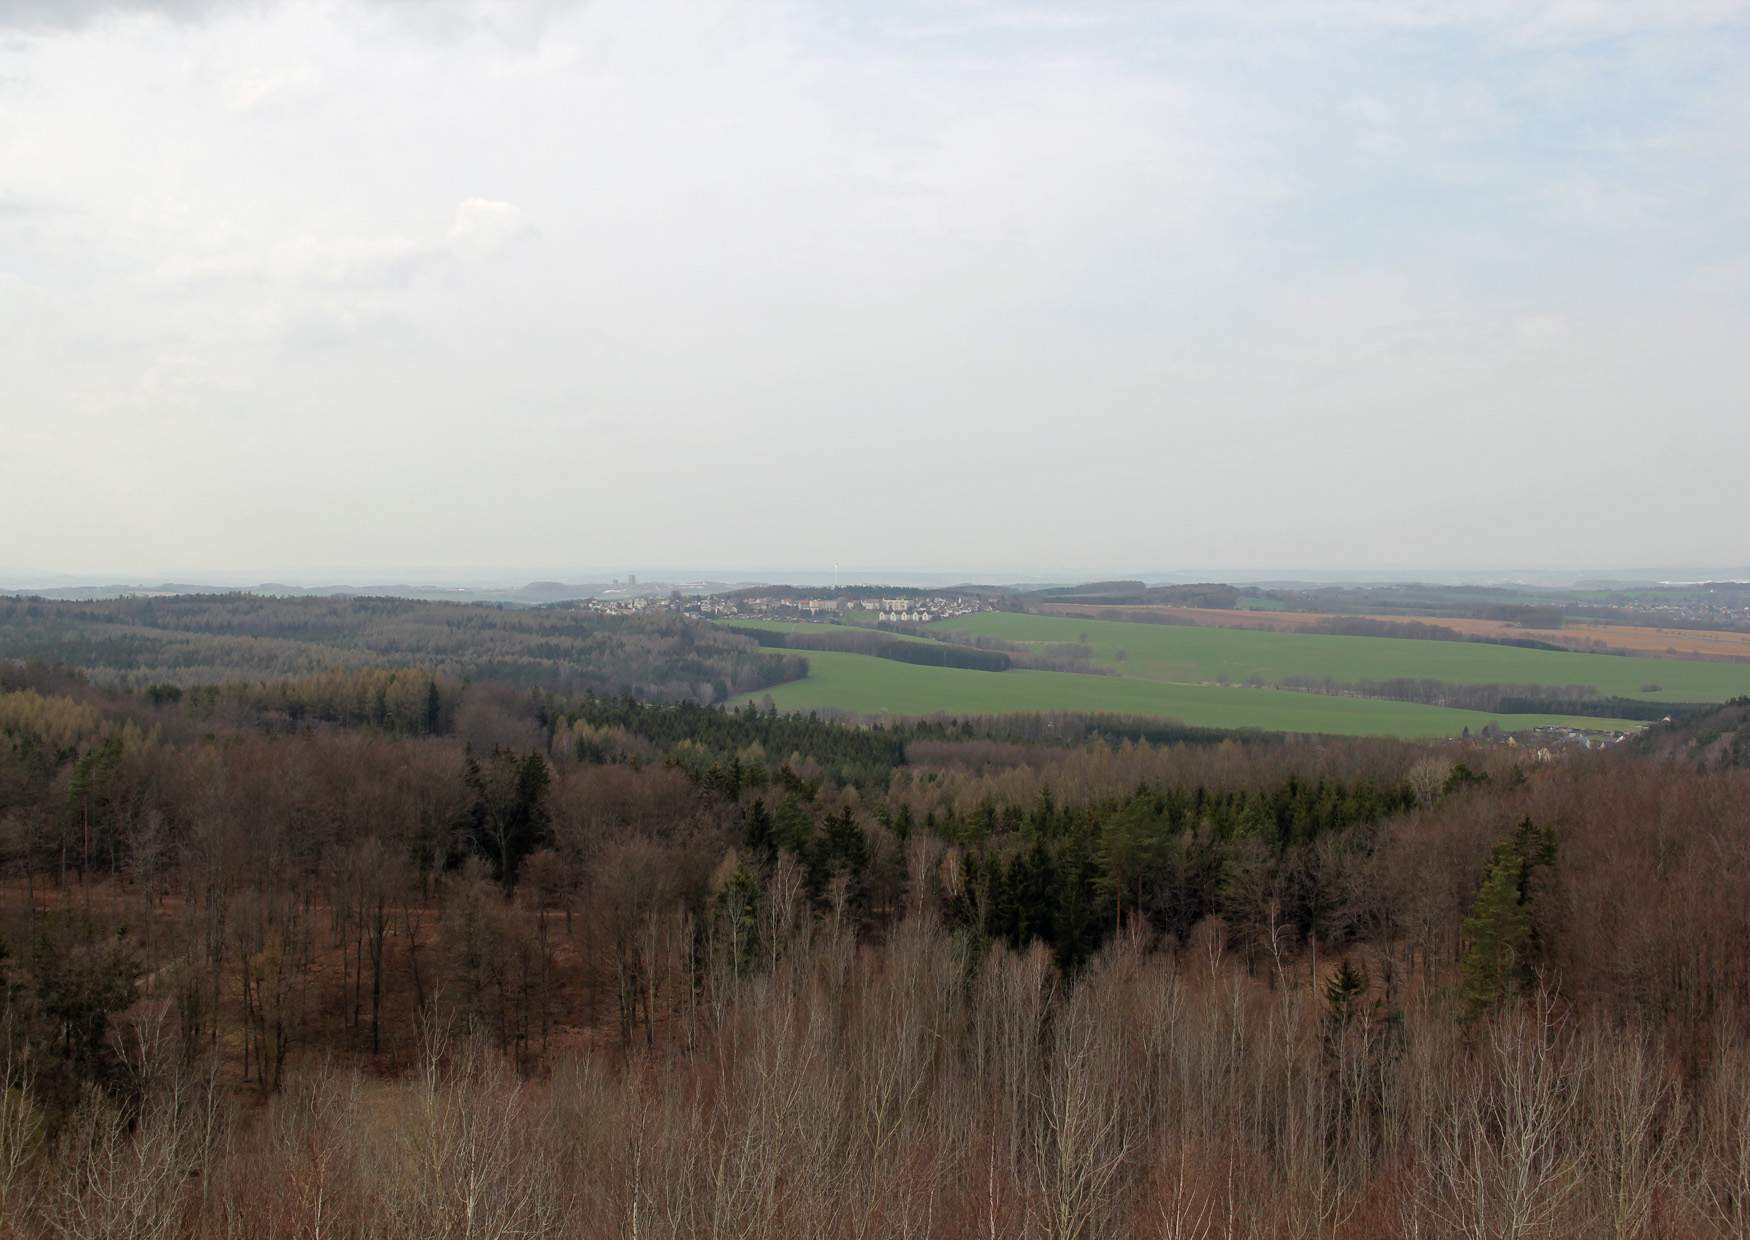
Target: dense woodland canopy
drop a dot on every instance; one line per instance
(201, 639)
(390, 951)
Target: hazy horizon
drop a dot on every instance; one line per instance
(463, 578)
(1006, 290)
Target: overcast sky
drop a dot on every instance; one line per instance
(1012, 288)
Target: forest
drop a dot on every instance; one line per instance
(870, 642)
(382, 952)
(203, 639)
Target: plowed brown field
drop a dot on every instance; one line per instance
(1674, 643)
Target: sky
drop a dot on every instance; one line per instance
(536, 287)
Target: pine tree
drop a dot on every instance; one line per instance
(845, 852)
(1344, 993)
(1500, 937)
(1497, 933)
(758, 833)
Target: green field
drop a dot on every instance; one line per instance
(864, 685)
(1173, 671)
(1180, 654)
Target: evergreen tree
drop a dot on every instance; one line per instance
(1501, 946)
(1496, 933)
(508, 819)
(1128, 842)
(793, 828)
(758, 832)
(1344, 993)
(844, 852)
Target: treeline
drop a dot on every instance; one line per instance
(1503, 699)
(871, 642)
(833, 753)
(935, 647)
(1367, 626)
(1074, 729)
(1075, 657)
(1211, 594)
(719, 746)
(1527, 615)
(198, 639)
(401, 701)
(1521, 603)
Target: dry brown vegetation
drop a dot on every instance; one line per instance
(912, 1090)
(1629, 639)
(269, 984)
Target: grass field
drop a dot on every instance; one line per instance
(1180, 655)
(865, 685)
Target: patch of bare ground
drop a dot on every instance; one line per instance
(1710, 644)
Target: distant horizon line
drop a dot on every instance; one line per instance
(467, 578)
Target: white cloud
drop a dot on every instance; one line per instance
(262, 86)
(478, 228)
(347, 260)
(1141, 259)
(481, 225)
(1543, 331)
(1531, 21)
(197, 268)
(51, 15)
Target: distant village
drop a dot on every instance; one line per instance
(1701, 605)
(1545, 743)
(860, 608)
(858, 605)
(627, 605)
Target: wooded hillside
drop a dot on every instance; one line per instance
(383, 953)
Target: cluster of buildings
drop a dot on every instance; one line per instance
(865, 609)
(1552, 739)
(614, 603)
(1703, 605)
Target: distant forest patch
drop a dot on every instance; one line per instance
(848, 640)
(1507, 699)
(927, 646)
(191, 640)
